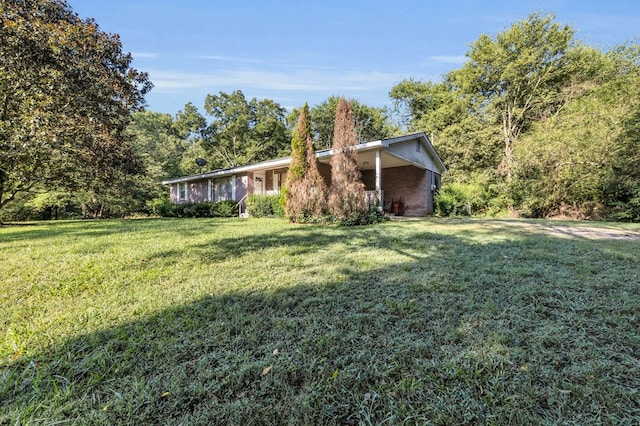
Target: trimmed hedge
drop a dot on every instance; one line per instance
(264, 206)
(226, 208)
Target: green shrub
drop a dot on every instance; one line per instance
(465, 198)
(368, 217)
(161, 207)
(264, 206)
(227, 208)
(202, 209)
(628, 211)
(277, 206)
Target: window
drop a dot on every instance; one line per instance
(418, 146)
(182, 191)
(223, 189)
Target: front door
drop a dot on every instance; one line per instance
(258, 182)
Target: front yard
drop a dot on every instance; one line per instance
(256, 321)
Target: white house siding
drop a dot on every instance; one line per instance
(408, 149)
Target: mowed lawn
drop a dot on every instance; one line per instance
(230, 321)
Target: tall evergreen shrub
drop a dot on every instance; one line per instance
(346, 198)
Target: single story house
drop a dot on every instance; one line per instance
(402, 172)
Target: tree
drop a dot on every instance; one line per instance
(301, 133)
(466, 142)
(346, 197)
(243, 132)
(417, 99)
(191, 126)
(585, 160)
(370, 123)
(66, 94)
(305, 189)
(158, 143)
(517, 78)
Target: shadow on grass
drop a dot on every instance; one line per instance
(46, 230)
(529, 329)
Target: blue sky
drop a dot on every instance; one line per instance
(294, 51)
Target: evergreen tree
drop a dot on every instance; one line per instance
(298, 165)
(305, 190)
(346, 197)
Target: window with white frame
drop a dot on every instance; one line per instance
(223, 189)
(182, 191)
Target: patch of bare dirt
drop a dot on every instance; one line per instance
(578, 231)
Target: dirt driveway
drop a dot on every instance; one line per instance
(572, 230)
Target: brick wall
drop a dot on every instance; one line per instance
(409, 184)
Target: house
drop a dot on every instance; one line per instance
(403, 172)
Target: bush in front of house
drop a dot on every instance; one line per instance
(226, 208)
(264, 206)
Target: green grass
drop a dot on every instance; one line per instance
(228, 321)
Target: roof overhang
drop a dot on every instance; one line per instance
(366, 159)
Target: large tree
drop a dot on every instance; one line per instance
(66, 94)
(242, 131)
(191, 126)
(518, 77)
(467, 142)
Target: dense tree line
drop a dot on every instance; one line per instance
(535, 124)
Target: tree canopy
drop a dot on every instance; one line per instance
(67, 91)
(241, 131)
(370, 123)
(535, 123)
(517, 77)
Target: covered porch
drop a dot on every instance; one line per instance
(399, 186)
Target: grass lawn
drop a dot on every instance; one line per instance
(228, 321)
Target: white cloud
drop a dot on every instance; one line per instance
(223, 58)
(309, 79)
(449, 59)
(146, 55)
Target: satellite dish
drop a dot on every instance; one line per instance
(200, 162)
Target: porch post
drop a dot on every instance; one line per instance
(379, 179)
(233, 187)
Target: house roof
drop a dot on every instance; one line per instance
(392, 150)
